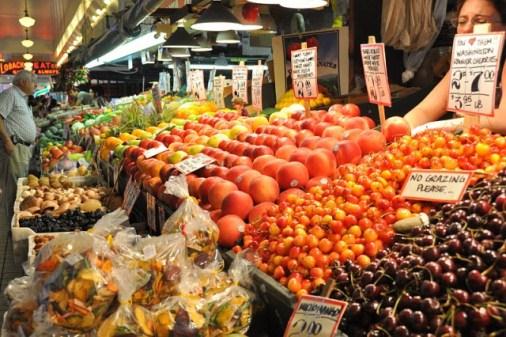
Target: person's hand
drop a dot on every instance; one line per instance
(9, 147)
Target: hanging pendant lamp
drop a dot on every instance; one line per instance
(179, 52)
(303, 4)
(26, 21)
(180, 38)
(204, 45)
(265, 2)
(164, 54)
(27, 43)
(27, 56)
(228, 37)
(217, 18)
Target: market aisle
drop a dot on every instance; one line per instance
(9, 269)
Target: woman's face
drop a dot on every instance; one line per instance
(476, 12)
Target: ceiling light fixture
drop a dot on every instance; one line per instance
(217, 18)
(163, 54)
(303, 4)
(265, 2)
(27, 43)
(180, 38)
(179, 52)
(204, 45)
(26, 21)
(238, 11)
(228, 37)
(27, 56)
(28, 66)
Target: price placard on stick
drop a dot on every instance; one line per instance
(151, 211)
(473, 73)
(256, 87)
(436, 186)
(218, 89)
(198, 89)
(194, 163)
(304, 80)
(375, 73)
(132, 191)
(240, 83)
(315, 316)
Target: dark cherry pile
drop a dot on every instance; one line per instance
(68, 222)
(445, 279)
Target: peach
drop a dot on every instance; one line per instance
(316, 181)
(356, 123)
(320, 128)
(328, 143)
(219, 191)
(285, 151)
(231, 228)
(230, 159)
(238, 203)
(206, 186)
(334, 131)
(310, 142)
(370, 122)
(260, 162)
(264, 188)
(292, 174)
(194, 186)
(395, 127)
(245, 178)
(262, 150)
(219, 171)
(321, 162)
(348, 151)
(350, 110)
(215, 215)
(371, 141)
(271, 169)
(297, 192)
(258, 212)
(243, 160)
(300, 155)
(352, 134)
(336, 108)
(281, 141)
(235, 171)
(301, 135)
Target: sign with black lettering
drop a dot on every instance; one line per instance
(132, 191)
(256, 87)
(218, 89)
(375, 73)
(473, 73)
(304, 77)
(436, 186)
(315, 316)
(198, 89)
(240, 83)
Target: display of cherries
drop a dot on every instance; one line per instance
(444, 279)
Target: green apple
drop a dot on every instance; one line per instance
(195, 149)
(278, 115)
(237, 129)
(179, 121)
(119, 150)
(177, 156)
(215, 140)
(135, 142)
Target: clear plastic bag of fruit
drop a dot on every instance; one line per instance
(180, 316)
(164, 259)
(74, 271)
(129, 320)
(197, 226)
(111, 223)
(43, 327)
(22, 304)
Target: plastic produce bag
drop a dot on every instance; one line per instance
(75, 273)
(164, 259)
(129, 320)
(229, 312)
(111, 223)
(23, 302)
(180, 317)
(197, 226)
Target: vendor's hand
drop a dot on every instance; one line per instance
(9, 147)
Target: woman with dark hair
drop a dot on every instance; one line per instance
(469, 13)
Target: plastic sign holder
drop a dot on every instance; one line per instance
(474, 73)
(304, 74)
(376, 76)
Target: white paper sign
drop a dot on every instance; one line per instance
(130, 195)
(304, 77)
(194, 163)
(256, 87)
(155, 151)
(218, 89)
(198, 89)
(436, 186)
(315, 316)
(473, 73)
(375, 73)
(240, 83)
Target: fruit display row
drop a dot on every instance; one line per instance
(110, 282)
(66, 157)
(446, 278)
(289, 98)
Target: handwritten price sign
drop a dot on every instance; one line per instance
(132, 191)
(256, 87)
(315, 316)
(436, 186)
(194, 163)
(304, 81)
(198, 89)
(473, 73)
(375, 71)
(218, 88)
(240, 83)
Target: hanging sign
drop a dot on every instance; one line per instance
(436, 186)
(38, 68)
(132, 191)
(473, 73)
(155, 151)
(194, 163)
(375, 73)
(240, 83)
(315, 316)
(151, 211)
(256, 87)
(218, 89)
(198, 89)
(304, 80)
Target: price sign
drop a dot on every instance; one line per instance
(157, 99)
(240, 83)
(473, 73)
(218, 88)
(155, 151)
(436, 186)
(198, 89)
(375, 73)
(304, 81)
(194, 163)
(151, 211)
(256, 87)
(132, 191)
(315, 316)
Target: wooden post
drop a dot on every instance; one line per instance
(470, 120)
(381, 109)
(307, 105)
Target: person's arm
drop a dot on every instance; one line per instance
(6, 105)
(498, 122)
(432, 107)
(6, 138)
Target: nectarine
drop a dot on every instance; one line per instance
(231, 228)
(238, 203)
(244, 179)
(321, 162)
(264, 188)
(219, 191)
(292, 174)
(371, 141)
